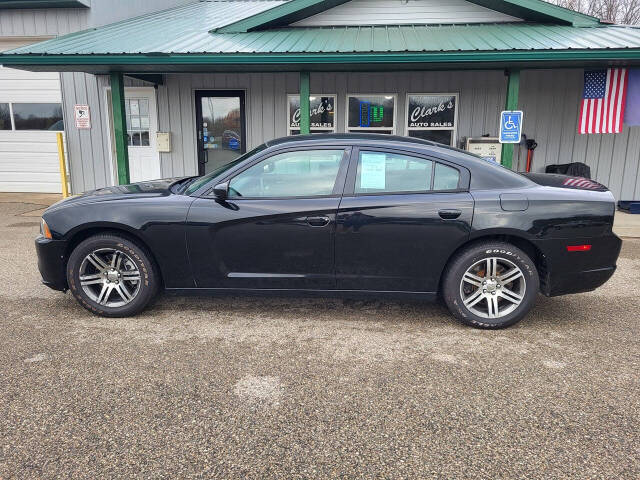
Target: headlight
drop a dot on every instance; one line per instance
(44, 229)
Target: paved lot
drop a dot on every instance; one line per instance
(285, 388)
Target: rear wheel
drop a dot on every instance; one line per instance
(111, 276)
(490, 285)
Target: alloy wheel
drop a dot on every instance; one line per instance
(493, 287)
(110, 277)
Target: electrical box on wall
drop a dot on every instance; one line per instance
(163, 142)
(488, 148)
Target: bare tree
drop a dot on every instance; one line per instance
(626, 12)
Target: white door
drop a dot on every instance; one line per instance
(142, 127)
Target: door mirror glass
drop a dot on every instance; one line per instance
(304, 173)
(221, 190)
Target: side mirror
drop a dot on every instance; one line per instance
(221, 190)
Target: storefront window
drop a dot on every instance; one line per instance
(323, 108)
(433, 117)
(38, 116)
(371, 113)
(5, 117)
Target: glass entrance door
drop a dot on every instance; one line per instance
(221, 128)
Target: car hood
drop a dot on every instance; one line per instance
(149, 188)
(565, 181)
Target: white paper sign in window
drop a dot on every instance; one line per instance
(373, 171)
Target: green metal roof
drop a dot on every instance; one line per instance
(182, 36)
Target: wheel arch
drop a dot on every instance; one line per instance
(515, 239)
(79, 235)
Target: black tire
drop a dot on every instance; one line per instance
(137, 254)
(451, 285)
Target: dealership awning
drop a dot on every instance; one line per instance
(212, 35)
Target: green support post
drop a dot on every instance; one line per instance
(120, 127)
(305, 108)
(513, 89)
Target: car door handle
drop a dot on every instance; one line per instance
(449, 214)
(318, 221)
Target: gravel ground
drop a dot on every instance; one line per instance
(314, 388)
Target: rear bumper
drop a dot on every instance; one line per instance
(577, 272)
(51, 262)
(579, 282)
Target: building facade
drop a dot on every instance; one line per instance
(31, 107)
(181, 91)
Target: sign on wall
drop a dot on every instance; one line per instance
(82, 117)
(431, 111)
(432, 116)
(511, 126)
(374, 112)
(322, 112)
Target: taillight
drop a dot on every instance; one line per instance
(578, 248)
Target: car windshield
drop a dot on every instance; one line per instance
(195, 185)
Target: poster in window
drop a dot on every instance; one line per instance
(322, 111)
(371, 111)
(431, 111)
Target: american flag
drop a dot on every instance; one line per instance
(603, 101)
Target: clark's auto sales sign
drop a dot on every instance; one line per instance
(321, 111)
(431, 111)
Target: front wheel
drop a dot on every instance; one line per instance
(111, 276)
(490, 285)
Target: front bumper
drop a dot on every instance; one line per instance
(51, 262)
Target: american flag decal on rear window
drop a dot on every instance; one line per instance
(581, 183)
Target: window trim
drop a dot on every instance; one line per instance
(10, 129)
(350, 186)
(349, 129)
(312, 129)
(338, 186)
(454, 136)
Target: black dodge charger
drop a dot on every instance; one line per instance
(338, 214)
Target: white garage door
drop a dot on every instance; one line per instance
(30, 113)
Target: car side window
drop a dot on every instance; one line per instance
(303, 173)
(387, 172)
(445, 178)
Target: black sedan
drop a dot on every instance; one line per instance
(338, 214)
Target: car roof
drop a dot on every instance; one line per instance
(350, 138)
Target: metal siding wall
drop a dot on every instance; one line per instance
(551, 102)
(89, 150)
(481, 97)
(386, 12)
(46, 22)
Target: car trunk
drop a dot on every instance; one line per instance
(565, 181)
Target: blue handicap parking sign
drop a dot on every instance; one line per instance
(510, 126)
